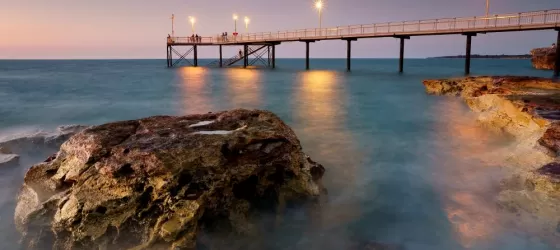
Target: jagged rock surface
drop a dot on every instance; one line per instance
(528, 108)
(543, 58)
(153, 183)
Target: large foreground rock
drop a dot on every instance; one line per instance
(543, 58)
(155, 182)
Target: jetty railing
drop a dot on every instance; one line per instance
(432, 26)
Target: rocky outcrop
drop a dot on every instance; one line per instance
(529, 109)
(156, 183)
(543, 58)
(518, 105)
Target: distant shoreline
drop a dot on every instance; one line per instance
(525, 56)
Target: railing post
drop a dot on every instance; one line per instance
(496, 21)
(374, 28)
(403, 26)
(545, 16)
(454, 23)
(519, 19)
(419, 25)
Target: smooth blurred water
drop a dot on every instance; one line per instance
(402, 167)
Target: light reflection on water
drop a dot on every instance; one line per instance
(196, 96)
(466, 172)
(244, 87)
(319, 106)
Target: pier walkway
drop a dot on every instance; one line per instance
(468, 26)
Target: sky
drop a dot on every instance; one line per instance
(111, 29)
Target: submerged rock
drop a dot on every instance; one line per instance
(155, 182)
(5, 150)
(544, 58)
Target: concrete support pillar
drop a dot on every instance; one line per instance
(221, 62)
(307, 55)
(167, 57)
(273, 56)
(557, 64)
(349, 52)
(245, 56)
(401, 56)
(170, 56)
(468, 53)
(195, 56)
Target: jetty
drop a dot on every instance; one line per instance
(259, 45)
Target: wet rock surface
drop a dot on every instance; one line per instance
(543, 58)
(528, 108)
(517, 105)
(155, 183)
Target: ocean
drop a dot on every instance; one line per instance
(403, 168)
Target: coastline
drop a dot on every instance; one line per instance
(527, 108)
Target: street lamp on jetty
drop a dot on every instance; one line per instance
(247, 20)
(319, 7)
(235, 17)
(192, 20)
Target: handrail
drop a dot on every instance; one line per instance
(440, 25)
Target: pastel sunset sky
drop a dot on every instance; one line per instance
(69, 29)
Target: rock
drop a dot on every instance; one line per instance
(8, 160)
(521, 106)
(156, 182)
(529, 109)
(543, 58)
(5, 150)
(551, 138)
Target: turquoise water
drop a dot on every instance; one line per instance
(403, 167)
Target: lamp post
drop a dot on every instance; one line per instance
(247, 20)
(235, 17)
(487, 7)
(319, 7)
(173, 25)
(192, 20)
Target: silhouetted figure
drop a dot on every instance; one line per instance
(192, 38)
